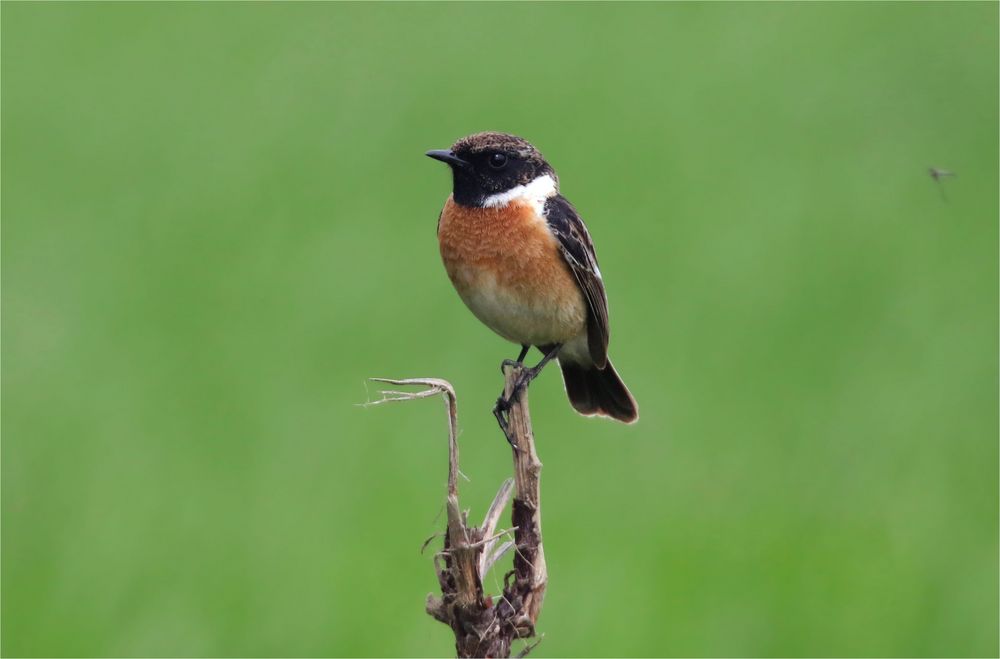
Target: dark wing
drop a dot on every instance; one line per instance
(578, 251)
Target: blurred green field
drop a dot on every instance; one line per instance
(218, 221)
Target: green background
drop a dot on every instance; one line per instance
(218, 221)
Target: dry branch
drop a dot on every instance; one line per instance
(484, 627)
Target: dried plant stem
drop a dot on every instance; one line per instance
(483, 628)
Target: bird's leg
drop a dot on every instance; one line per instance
(502, 412)
(515, 362)
(529, 374)
(502, 409)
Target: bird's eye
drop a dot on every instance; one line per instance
(498, 161)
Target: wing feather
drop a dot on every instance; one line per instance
(578, 251)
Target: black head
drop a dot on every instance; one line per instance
(486, 164)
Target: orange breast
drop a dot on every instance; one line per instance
(507, 267)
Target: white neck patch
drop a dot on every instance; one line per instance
(534, 193)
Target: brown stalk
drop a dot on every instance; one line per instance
(485, 626)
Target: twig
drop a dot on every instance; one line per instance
(482, 627)
(530, 572)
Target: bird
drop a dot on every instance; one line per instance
(522, 260)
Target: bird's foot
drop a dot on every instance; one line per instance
(504, 403)
(523, 380)
(509, 362)
(516, 362)
(502, 412)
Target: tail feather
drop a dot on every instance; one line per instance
(598, 391)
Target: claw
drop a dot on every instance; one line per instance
(502, 409)
(501, 412)
(508, 362)
(522, 382)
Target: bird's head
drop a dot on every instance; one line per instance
(490, 169)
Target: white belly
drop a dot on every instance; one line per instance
(518, 315)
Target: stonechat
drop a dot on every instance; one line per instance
(523, 262)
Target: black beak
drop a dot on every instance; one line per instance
(446, 155)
